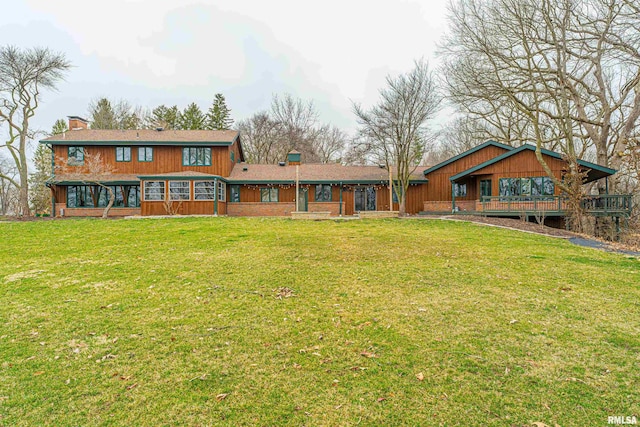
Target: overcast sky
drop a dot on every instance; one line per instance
(153, 52)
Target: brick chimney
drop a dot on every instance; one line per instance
(76, 123)
(293, 158)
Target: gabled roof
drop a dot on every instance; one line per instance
(466, 153)
(143, 137)
(309, 173)
(595, 171)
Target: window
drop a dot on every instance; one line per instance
(536, 186)
(123, 154)
(221, 191)
(269, 194)
(145, 154)
(485, 188)
(395, 198)
(233, 157)
(196, 156)
(75, 156)
(323, 193)
(235, 193)
(179, 190)
(204, 190)
(89, 196)
(154, 190)
(460, 190)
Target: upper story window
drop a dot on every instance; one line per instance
(75, 156)
(145, 154)
(123, 154)
(196, 156)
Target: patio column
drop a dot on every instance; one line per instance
(453, 197)
(215, 196)
(341, 198)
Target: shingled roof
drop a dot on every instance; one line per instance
(312, 173)
(143, 137)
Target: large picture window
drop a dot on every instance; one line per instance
(145, 154)
(90, 196)
(204, 190)
(323, 193)
(269, 194)
(196, 156)
(123, 154)
(75, 156)
(154, 190)
(179, 190)
(535, 186)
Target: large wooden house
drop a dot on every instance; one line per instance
(158, 172)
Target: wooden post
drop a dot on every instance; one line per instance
(297, 186)
(215, 197)
(340, 198)
(391, 190)
(453, 197)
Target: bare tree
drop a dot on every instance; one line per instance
(23, 76)
(291, 123)
(570, 68)
(260, 138)
(8, 191)
(395, 130)
(94, 171)
(329, 143)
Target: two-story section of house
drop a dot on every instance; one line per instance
(152, 172)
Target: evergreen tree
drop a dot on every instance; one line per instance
(60, 126)
(164, 117)
(102, 115)
(219, 115)
(192, 118)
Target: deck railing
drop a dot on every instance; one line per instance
(595, 205)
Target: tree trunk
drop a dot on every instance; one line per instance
(24, 178)
(112, 199)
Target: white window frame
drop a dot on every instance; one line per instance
(222, 191)
(181, 187)
(209, 195)
(164, 191)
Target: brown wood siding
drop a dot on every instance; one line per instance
(252, 194)
(521, 165)
(165, 159)
(191, 207)
(439, 186)
(416, 195)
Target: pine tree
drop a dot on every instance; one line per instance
(102, 115)
(39, 193)
(60, 126)
(192, 118)
(164, 117)
(219, 115)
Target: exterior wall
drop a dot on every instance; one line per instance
(439, 187)
(252, 194)
(166, 159)
(332, 207)
(416, 195)
(193, 207)
(521, 165)
(445, 205)
(94, 212)
(260, 208)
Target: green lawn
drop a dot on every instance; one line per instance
(231, 321)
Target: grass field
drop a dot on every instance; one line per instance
(231, 321)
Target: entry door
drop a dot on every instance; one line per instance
(485, 188)
(365, 199)
(302, 200)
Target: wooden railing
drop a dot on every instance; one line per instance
(595, 205)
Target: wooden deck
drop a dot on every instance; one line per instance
(601, 205)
